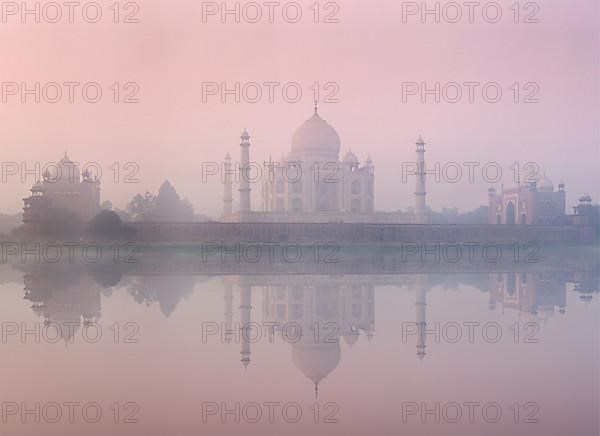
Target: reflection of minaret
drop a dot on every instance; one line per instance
(245, 172)
(228, 297)
(421, 314)
(245, 320)
(228, 189)
(420, 193)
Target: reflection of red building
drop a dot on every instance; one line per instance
(586, 284)
(535, 294)
(63, 187)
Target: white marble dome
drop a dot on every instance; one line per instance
(315, 135)
(545, 184)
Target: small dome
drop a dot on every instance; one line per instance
(37, 186)
(585, 197)
(315, 135)
(350, 159)
(65, 171)
(545, 184)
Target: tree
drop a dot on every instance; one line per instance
(141, 206)
(451, 216)
(167, 206)
(107, 225)
(123, 214)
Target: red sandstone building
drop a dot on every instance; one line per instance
(63, 187)
(538, 203)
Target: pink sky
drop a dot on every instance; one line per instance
(369, 53)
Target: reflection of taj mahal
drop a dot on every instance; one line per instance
(348, 303)
(333, 312)
(323, 315)
(312, 183)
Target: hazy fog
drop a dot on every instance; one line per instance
(369, 53)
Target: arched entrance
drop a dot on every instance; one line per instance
(510, 213)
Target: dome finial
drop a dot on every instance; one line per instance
(316, 106)
(316, 390)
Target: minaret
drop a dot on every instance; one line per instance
(420, 193)
(421, 314)
(268, 183)
(228, 298)
(245, 172)
(245, 320)
(227, 189)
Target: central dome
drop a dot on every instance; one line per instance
(545, 184)
(315, 135)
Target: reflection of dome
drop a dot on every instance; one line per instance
(65, 328)
(351, 338)
(545, 184)
(350, 159)
(315, 135)
(316, 359)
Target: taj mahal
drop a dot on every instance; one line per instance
(312, 184)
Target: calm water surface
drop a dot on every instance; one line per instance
(162, 352)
